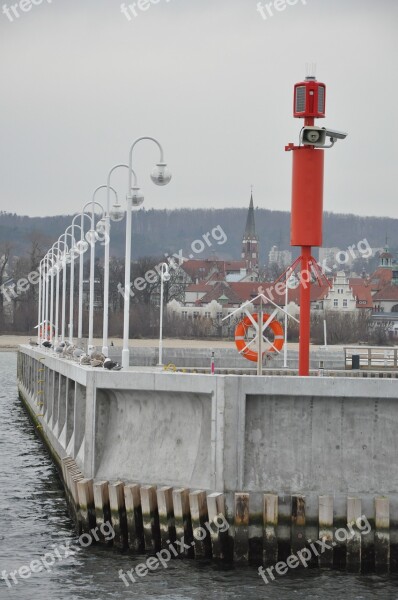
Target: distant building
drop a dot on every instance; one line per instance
(282, 258)
(250, 243)
(340, 296)
(327, 257)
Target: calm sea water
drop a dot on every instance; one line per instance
(34, 519)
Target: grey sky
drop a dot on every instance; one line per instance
(214, 82)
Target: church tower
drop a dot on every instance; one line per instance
(386, 258)
(250, 244)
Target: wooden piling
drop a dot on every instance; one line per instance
(270, 521)
(200, 524)
(353, 561)
(298, 539)
(86, 503)
(102, 506)
(241, 537)
(182, 519)
(166, 516)
(135, 529)
(326, 529)
(118, 513)
(150, 518)
(382, 533)
(221, 548)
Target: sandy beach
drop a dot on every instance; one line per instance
(11, 342)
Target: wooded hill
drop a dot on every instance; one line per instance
(156, 232)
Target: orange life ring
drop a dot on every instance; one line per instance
(242, 329)
(45, 329)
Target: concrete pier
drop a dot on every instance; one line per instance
(281, 460)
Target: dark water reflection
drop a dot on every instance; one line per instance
(34, 519)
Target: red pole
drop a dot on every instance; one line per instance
(305, 311)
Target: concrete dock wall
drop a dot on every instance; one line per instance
(226, 358)
(283, 458)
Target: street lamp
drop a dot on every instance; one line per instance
(164, 276)
(81, 247)
(91, 237)
(57, 269)
(160, 175)
(64, 260)
(116, 213)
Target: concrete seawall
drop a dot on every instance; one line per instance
(283, 458)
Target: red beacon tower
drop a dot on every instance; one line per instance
(307, 197)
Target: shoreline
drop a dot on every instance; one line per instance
(10, 343)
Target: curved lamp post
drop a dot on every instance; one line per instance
(40, 305)
(64, 260)
(116, 213)
(82, 247)
(57, 269)
(91, 237)
(160, 175)
(164, 276)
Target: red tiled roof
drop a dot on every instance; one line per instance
(202, 268)
(380, 278)
(362, 293)
(389, 292)
(198, 287)
(248, 290)
(218, 290)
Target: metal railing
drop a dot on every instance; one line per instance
(380, 357)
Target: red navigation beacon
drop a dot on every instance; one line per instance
(307, 198)
(309, 99)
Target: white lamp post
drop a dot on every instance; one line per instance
(91, 237)
(45, 307)
(164, 276)
(57, 267)
(41, 296)
(82, 247)
(65, 259)
(160, 175)
(116, 213)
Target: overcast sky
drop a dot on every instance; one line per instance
(213, 81)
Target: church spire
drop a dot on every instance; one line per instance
(250, 231)
(250, 240)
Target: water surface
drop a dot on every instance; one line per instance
(35, 520)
